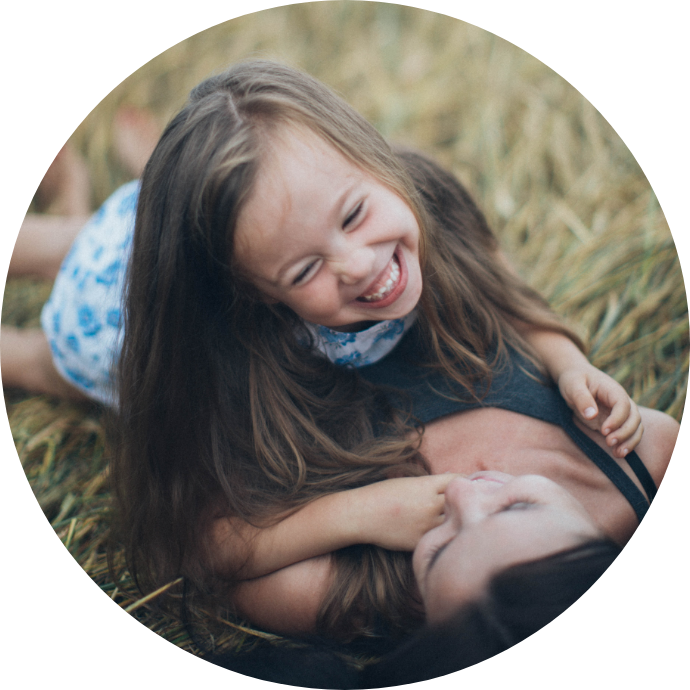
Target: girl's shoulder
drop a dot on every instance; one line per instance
(103, 244)
(107, 236)
(120, 207)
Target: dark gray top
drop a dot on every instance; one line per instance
(515, 386)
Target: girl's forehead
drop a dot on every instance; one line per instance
(292, 145)
(299, 172)
(301, 181)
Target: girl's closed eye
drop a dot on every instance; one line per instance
(353, 215)
(306, 273)
(348, 221)
(434, 554)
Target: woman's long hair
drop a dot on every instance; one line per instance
(518, 602)
(224, 408)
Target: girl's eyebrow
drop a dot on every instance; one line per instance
(334, 211)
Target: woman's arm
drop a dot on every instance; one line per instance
(393, 514)
(288, 600)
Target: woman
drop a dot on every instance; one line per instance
(497, 439)
(512, 554)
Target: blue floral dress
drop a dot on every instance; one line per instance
(83, 317)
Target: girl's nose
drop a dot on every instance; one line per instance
(354, 264)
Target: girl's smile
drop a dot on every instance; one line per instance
(387, 287)
(327, 239)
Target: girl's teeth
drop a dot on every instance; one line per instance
(392, 280)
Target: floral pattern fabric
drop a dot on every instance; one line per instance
(361, 348)
(82, 318)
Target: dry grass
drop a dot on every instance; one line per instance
(567, 198)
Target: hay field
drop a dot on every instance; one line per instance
(567, 199)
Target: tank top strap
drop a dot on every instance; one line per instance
(608, 465)
(642, 473)
(516, 386)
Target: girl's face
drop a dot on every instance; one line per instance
(493, 521)
(326, 238)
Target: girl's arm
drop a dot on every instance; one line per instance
(599, 401)
(393, 514)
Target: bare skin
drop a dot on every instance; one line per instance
(285, 595)
(465, 443)
(494, 521)
(27, 363)
(493, 439)
(288, 600)
(65, 189)
(41, 246)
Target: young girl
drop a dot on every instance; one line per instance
(282, 250)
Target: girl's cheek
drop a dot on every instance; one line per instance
(322, 300)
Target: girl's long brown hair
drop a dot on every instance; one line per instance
(224, 409)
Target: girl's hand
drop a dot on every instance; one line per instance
(603, 405)
(396, 513)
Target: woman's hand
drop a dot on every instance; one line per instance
(603, 405)
(396, 513)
